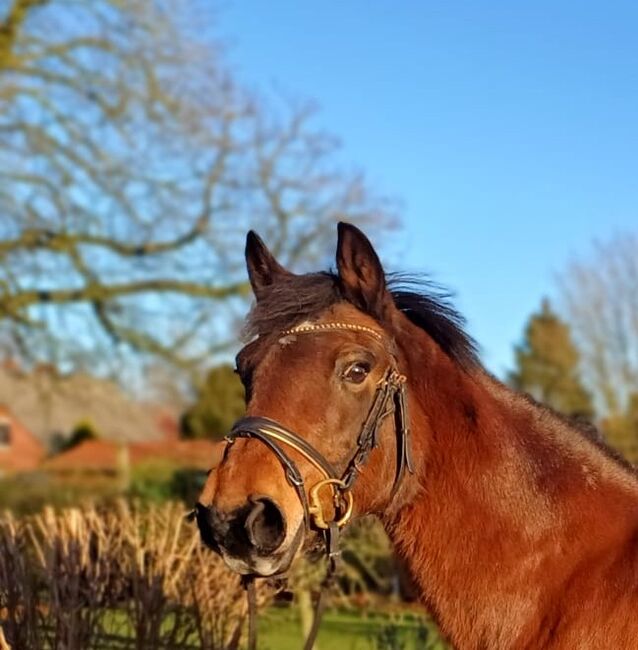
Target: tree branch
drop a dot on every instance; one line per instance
(14, 303)
(11, 28)
(65, 242)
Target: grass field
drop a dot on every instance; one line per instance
(280, 629)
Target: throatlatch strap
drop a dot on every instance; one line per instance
(332, 535)
(248, 583)
(320, 607)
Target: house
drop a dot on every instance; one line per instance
(20, 450)
(108, 457)
(51, 405)
(46, 406)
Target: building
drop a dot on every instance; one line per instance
(20, 450)
(52, 405)
(107, 457)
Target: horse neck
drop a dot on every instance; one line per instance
(501, 506)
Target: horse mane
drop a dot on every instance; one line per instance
(428, 306)
(297, 298)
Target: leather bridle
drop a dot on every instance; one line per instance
(389, 398)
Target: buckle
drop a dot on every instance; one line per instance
(314, 503)
(397, 379)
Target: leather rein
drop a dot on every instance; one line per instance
(389, 398)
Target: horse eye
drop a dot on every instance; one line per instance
(357, 372)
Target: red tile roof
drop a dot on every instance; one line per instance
(103, 455)
(24, 451)
(49, 403)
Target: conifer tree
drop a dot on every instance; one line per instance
(547, 365)
(622, 430)
(219, 403)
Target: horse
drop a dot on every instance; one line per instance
(518, 527)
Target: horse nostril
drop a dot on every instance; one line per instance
(209, 525)
(265, 524)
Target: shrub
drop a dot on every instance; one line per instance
(28, 493)
(151, 480)
(82, 431)
(73, 578)
(219, 403)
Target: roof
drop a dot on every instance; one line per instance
(24, 451)
(49, 403)
(105, 455)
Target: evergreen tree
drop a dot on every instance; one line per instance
(219, 403)
(547, 365)
(622, 430)
(82, 432)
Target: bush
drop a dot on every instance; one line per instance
(154, 481)
(187, 484)
(28, 493)
(151, 480)
(83, 431)
(158, 480)
(73, 579)
(219, 403)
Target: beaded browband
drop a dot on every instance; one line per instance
(307, 328)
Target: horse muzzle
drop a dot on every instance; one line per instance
(253, 538)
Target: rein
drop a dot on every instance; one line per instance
(389, 398)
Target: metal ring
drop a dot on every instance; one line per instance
(314, 502)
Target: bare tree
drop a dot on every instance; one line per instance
(600, 295)
(131, 166)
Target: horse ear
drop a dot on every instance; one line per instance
(263, 269)
(360, 272)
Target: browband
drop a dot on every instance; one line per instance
(307, 328)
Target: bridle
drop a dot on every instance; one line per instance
(389, 398)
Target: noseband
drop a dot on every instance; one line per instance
(389, 398)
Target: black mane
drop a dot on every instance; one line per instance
(429, 307)
(296, 298)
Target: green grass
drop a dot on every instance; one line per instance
(280, 629)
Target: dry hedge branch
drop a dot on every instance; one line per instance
(73, 578)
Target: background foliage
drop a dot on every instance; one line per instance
(547, 365)
(219, 402)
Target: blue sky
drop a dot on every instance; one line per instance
(508, 130)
